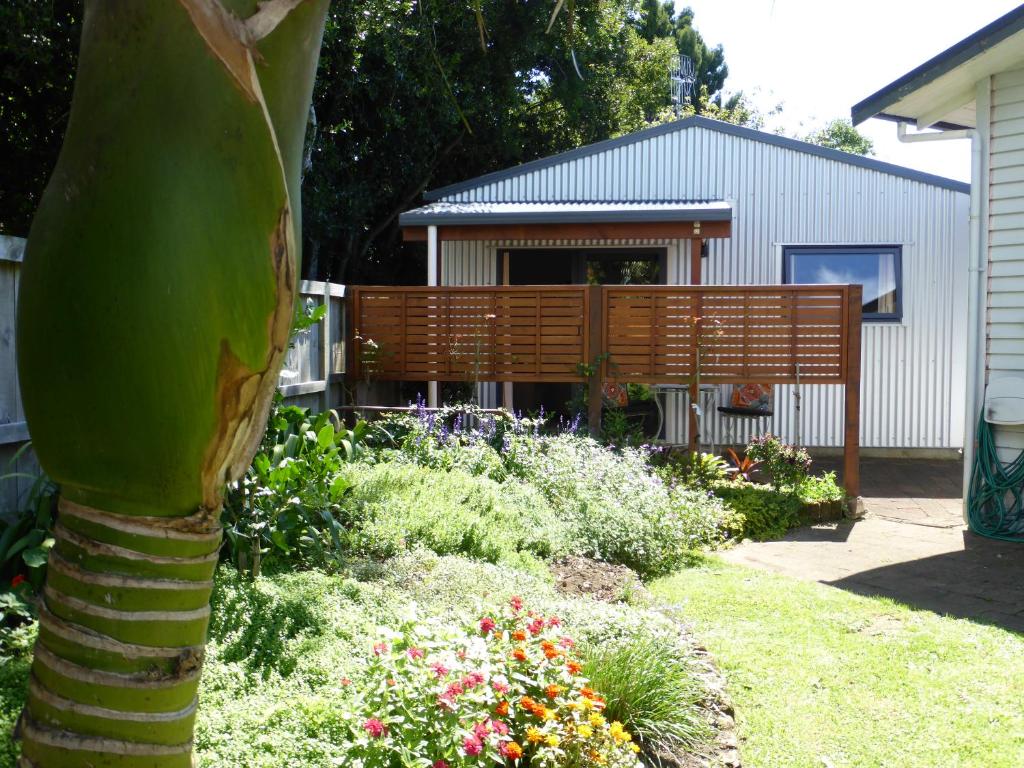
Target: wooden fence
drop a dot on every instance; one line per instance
(807, 334)
(312, 377)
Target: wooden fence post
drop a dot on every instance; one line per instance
(851, 440)
(594, 344)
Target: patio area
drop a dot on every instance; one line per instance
(911, 546)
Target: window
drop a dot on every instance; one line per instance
(877, 268)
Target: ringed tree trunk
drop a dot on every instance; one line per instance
(156, 300)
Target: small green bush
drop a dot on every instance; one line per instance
(394, 507)
(821, 489)
(650, 688)
(762, 512)
(788, 465)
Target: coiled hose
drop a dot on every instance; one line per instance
(995, 497)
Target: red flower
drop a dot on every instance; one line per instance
(17, 581)
(440, 670)
(375, 728)
(380, 648)
(439, 764)
(511, 750)
(345, 681)
(472, 746)
(536, 626)
(516, 602)
(487, 625)
(415, 653)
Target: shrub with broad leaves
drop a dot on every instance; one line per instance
(505, 690)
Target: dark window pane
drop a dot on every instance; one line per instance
(877, 272)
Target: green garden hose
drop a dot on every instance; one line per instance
(995, 498)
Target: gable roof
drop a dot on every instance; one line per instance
(566, 213)
(696, 121)
(985, 51)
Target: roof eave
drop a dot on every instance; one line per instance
(457, 218)
(877, 104)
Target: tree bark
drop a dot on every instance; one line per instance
(156, 299)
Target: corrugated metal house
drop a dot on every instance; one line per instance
(975, 90)
(796, 213)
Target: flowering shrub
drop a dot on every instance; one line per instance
(788, 465)
(506, 690)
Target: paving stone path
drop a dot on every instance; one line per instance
(911, 546)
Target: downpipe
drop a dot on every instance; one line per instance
(975, 287)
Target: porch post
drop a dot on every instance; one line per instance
(594, 345)
(695, 279)
(851, 439)
(433, 278)
(506, 386)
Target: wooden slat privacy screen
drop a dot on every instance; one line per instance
(528, 333)
(654, 334)
(649, 334)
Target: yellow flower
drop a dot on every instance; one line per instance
(585, 704)
(585, 731)
(635, 747)
(549, 714)
(533, 735)
(618, 733)
(596, 720)
(552, 740)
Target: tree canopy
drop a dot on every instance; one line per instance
(840, 134)
(410, 94)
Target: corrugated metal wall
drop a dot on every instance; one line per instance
(913, 372)
(1005, 332)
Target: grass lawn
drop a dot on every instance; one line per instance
(824, 678)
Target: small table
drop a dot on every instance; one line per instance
(707, 399)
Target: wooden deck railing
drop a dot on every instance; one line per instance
(646, 334)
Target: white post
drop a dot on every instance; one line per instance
(433, 279)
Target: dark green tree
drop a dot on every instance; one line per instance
(658, 19)
(840, 134)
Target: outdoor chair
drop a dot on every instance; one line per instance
(750, 402)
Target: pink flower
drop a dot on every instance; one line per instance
(415, 653)
(516, 602)
(461, 654)
(472, 679)
(472, 746)
(499, 727)
(487, 625)
(439, 764)
(453, 690)
(481, 730)
(536, 626)
(346, 682)
(554, 621)
(500, 686)
(375, 728)
(380, 648)
(566, 642)
(440, 670)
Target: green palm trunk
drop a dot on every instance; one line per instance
(156, 299)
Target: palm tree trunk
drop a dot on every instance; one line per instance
(156, 299)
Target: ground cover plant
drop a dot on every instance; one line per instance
(299, 663)
(822, 677)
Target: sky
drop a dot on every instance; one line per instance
(820, 57)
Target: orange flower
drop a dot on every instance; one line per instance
(502, 709)
(519, 654)
(552, 691)
(527, 703)
(511, 750)
(551, 653)
(519, 636)
(574, 667)
(588, 693)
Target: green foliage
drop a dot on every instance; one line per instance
(395, 507)
(288, 504)
(700, 471)
(621, 429)
(650, 687)
(787, 465)
(821, 489)
(840, 134)
(762, 512)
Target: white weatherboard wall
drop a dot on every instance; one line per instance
(1002, 123)
(913, 372)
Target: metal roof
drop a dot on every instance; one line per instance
(886, 102)
(698, 122)
(448, 213)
